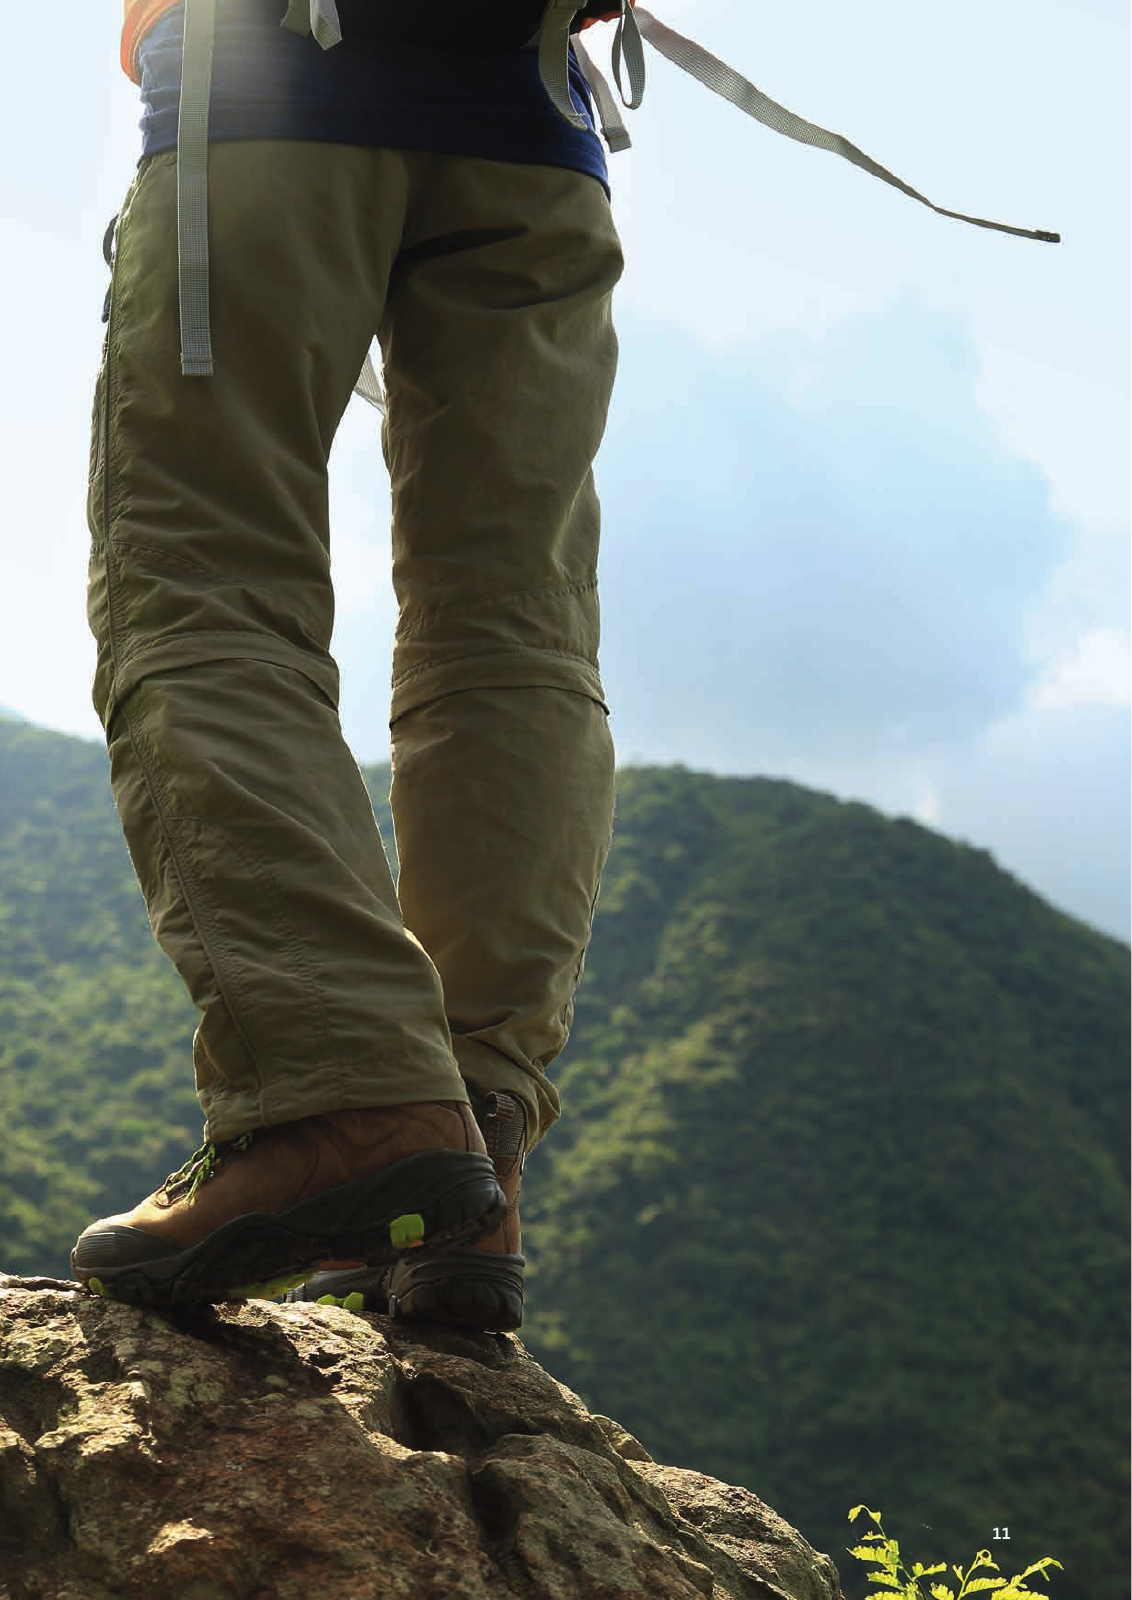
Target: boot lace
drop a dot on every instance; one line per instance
(202, 1165)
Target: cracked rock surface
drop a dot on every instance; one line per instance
(265, 1452)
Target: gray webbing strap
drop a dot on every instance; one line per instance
(628, 49)
(554, 58)
(554, 68)
(613, 129)
(192, 188)
(319, 17)
(724, 80)
(369, 385)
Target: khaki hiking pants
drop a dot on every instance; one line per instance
(322, 987)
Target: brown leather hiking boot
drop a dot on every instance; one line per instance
(248, 1218)
(479, 1287)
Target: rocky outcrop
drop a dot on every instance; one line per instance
(300, 1452)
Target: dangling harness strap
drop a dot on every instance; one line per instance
(319, 17)
(554, 64)
(368, 386)
(192, 188)
(554, 59)
(613, 129)
(724, 80)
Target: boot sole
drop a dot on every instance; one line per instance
(462, 1288)
(427, 1201)
(468, 1289)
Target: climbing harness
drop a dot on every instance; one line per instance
(558, 35)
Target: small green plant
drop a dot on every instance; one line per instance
(884, 1554)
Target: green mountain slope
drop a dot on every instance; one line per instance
(95, 1029)
(840, 1194)
(838, 1206)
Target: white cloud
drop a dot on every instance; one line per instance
(1078, 635)
(863, 565)
(1096, 671)
(1073, 427)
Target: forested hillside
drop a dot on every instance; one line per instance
(840, 1196)
(838, 1205)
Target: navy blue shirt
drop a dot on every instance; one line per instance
(270, 83)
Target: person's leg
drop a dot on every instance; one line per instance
(499, 363)
(338, 1126)
(210, 598)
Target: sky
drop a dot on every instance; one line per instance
(866, 478)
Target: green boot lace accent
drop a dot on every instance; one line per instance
(184, 1183)
(351, 1302)
(407, 1231)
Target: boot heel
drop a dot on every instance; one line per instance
(466, 1289)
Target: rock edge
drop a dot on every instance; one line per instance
(267, 1452)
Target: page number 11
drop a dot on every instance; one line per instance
(1002, 1533)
